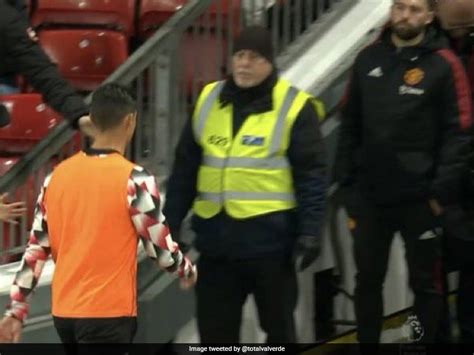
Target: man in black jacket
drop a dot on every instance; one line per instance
(20, 54)
(402, 146)
(7, 80)
(258, 187)
(457, 19)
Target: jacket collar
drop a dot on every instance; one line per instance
(257, 99)
(93, 151)
(434, 40)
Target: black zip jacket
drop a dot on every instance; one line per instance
(19, 54)
(459, 220)
(405, 122)
(21, 7)
(273, 234)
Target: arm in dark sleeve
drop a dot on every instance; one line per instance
(181, 186)
(21, 7)
(345, 166)
(41, 73)
(308, 165)
(454, 142)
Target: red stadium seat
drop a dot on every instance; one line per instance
(85, 57)
(30, 121)
(230, 10)
(200, 58)
(116, 14)
(153, 13)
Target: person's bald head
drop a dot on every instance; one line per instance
(456, 16)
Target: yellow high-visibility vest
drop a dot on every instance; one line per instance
(247, 174)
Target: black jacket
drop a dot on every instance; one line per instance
(21, 7)
(405, 121)
(459, 220)
(19, 54)
(267, 235)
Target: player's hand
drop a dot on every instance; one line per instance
(10, 330)
(185, 283)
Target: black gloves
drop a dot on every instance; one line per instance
(306, 251)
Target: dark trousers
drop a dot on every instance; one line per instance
(444, 333)
(223, 287)
(82, 331)
(373, 231)
(460, 250)
(465, 304)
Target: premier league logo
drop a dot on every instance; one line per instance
(412, 329)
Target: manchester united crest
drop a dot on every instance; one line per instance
(413, 76)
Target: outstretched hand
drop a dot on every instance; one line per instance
(10, 211)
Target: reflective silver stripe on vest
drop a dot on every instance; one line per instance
(210, 196)
(278, 130)
(206, 108)
(243, 162)
(247, 196)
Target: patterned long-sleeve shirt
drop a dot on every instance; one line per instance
(144, 205)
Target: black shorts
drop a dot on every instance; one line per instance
(82, 331)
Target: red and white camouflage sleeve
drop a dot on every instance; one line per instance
(151, 226)
(31, 266)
